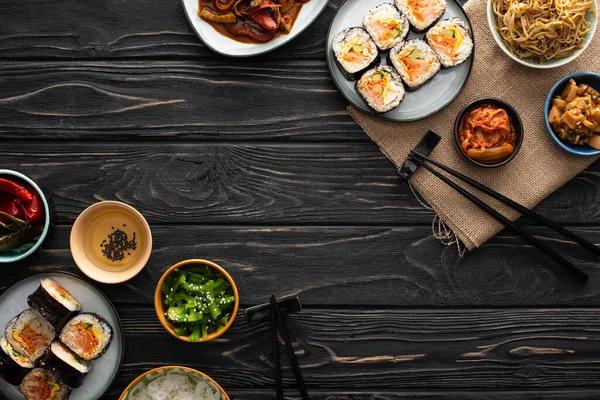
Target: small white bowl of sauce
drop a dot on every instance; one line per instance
(111, 242)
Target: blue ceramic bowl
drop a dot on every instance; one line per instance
(27, 249)
(580, 77)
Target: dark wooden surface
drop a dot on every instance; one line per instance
(255, 164)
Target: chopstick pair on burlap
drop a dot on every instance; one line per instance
(539, 168)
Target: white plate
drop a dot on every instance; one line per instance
(105, 369)
(423, 102)
(229, 47)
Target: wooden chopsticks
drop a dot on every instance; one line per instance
(421, 160)
(278, 325)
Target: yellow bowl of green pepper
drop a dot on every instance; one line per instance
(196, 300)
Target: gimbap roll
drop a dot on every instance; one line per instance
(54, 303)
(451, 41)
(355, 52)
(416, 63)
(41, 385)
(30, 334)
(87, 335)
(13, 365)
(386, 26)
(422, 13)
(65, 365)
(381, 88)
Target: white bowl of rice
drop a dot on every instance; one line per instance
(174, 383)
(538, 33)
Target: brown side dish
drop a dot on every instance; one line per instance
(487, 134)
(251, 21)
(575, 115)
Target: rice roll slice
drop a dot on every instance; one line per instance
(13, 365)
(381, 88)
(30, 334)
(65, 365)
(451, 41)
(422, 13)
(54, 303)
(386, 26)
(416, 63)
(41, 385)
(354, 52)
(87, 335)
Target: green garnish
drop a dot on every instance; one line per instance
(199, 300)
(416, 53)
(87, 327)
(594, 97)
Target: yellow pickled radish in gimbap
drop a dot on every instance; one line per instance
(41, 385)
(415, 61)
(386, 25)
(422, 13)
(451, 41)
(381, 88)
(13, 365)
(354, 51)
(54, 303)
(30, 334)
(88, 335)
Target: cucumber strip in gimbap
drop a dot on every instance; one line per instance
(88, 335)
(354, 52)
(422, 13)
(451, 41)
(381, 88)
(416, 63)
(54, 303)
(65, 365)
(386, 26)
(30, 334)
(13, 365)
(42, 385)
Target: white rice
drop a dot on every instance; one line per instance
(175, 385)
(61, 351)
(54, 289)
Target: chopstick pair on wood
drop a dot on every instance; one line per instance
(277, 325)
(422, 161)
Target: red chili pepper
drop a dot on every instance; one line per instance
(249, 30)
(35, 208)
(15, 189)
(263, 18)
(13, 208)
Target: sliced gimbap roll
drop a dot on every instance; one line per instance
(381, 88)
(13, 365)
(65, 365)
(87, 335)
(41, 385)
(422, 13)
(386, 26)
(30, 334)
(54, 303)
(354, 51)
(416, 63)
(451, 41)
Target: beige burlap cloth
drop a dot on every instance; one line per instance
(539, 169)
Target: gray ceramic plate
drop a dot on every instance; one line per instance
(425, 101)
(105, 369)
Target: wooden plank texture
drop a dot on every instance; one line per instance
(249, 183)
(391, 350)
(353, 267)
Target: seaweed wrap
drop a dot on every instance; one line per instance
(41, 385)
(355, 52)
(30, 334)
(381, 88)
(416, 63)
(54, 303)
(88, 335)
(65, 365)
(386, 26)
(422, 13)
(13, 365)
(451, 41)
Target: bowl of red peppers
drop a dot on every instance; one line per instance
(24, 216)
